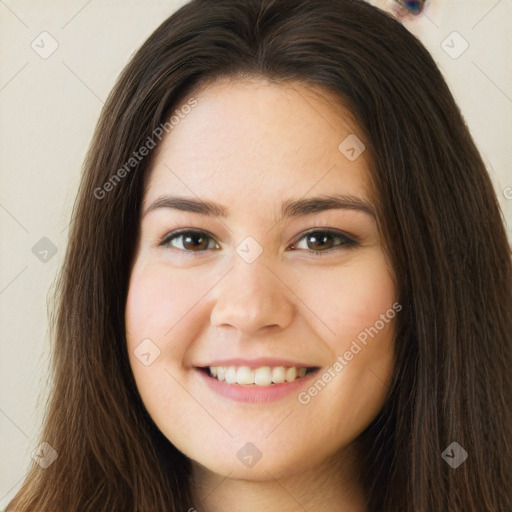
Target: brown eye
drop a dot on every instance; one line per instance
(321, 241)
(190, 241)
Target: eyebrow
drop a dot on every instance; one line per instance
(290, 207)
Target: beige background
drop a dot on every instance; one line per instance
(49, 107)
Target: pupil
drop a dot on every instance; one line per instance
(188, 238)
(320, 239)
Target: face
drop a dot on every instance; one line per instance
(286, 296)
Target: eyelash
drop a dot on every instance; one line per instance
(347, 242)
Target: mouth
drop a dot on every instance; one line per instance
(263, 376)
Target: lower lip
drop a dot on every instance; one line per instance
(253, 393)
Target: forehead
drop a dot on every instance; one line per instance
(257, 139)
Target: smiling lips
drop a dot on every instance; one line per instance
(261, 376)
(260, 384)
(255, 380)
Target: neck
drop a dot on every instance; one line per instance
(335, 485)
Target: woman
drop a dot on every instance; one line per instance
(209, 353)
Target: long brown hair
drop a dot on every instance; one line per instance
(441, 226)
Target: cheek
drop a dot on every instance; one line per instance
(365, 308)
(157, 307)
(358, 309)
(352, 298)
(157, 304)
(367, 322)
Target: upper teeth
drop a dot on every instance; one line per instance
(263, 376)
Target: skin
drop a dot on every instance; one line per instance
(249, 141)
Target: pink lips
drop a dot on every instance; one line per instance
(253, 393)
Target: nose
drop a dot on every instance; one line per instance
(252, 298)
